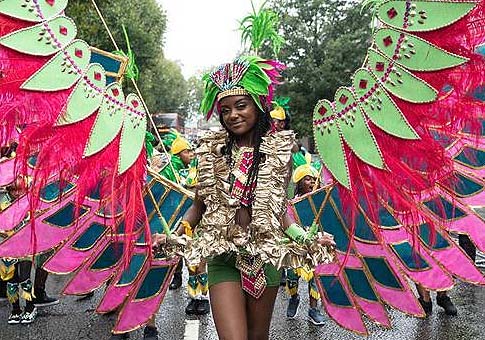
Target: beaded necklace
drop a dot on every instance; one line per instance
(240, 167)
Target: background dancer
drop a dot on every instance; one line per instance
(306, 178)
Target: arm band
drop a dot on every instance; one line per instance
(296, 233)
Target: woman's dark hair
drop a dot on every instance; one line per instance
(262, 126)
(298, 189)
(287, 122)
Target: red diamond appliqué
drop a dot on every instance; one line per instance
(343, 99)
(363, 84)
(78, 53)
(97, 76)
(50, 2)
(391, 13)
(115, 92)
(135, 103)
(322, 110)
(63, 30)
(387, 41)
(380, 66)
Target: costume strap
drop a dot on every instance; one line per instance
(7, 269)
(203, 283)
(292, 279)
(27, 290)
(192, 286)
(12, 292)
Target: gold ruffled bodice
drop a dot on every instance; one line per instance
(218, 233)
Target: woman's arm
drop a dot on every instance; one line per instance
(287, 220)
(298, 234)
(191, 218)
(193, 215)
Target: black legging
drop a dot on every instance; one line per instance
(467, 245)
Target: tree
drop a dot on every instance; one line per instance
(326, 40)
(161, 82)
(195, 91)
(166, 85)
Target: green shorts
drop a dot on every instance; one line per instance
(222, 268)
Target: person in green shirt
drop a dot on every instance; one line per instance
(183, 163)
(181, 155)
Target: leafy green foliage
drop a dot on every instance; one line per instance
(191, 103)
(168, 87)
(161, 82)
(326, 41)
(260, 28)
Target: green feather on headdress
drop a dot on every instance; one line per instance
(303, 166)
(281, 108)
(260, 27)
(283, 102)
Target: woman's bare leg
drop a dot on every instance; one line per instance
(259, 313)
(229, 310)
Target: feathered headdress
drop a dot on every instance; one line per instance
(260, 28)
(246, 75)
(175, 142)
(303, 166)
(280, 108)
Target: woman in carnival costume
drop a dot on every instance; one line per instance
(239, 213)
(306, 178)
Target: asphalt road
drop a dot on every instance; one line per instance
(74, 319)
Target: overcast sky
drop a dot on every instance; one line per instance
(203, 33)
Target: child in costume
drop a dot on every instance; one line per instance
(16, 273)
(182, 161)
(181, 155)
(239, 212)
(306, 178)
(281, 121)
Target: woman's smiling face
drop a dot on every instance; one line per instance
(239, 114)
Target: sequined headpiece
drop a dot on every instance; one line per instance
(247, 75)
